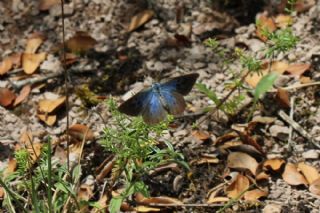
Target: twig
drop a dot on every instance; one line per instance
(301, 85)
(290, 128)
(298, 128)
(184, 205)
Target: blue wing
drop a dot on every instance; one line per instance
(182, 84)
(135, 105)
(153, 112)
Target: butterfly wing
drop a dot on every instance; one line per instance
(182, 84)
(173, 102)
(135, 105)
(153, 112)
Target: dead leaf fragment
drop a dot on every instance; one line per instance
(283, 21)
(309, 172)
(139, 198)
(298, 69)
(283, 97)
(5, 66)
(85, 192)
(12, 166)
(146, 209)
(240, 185)
(240, 160)
(79, 131)
(6, 97)
(140, 19)
(304, 5)
(34, 42)
(48, 106)
(80, 42)
(255, 194)
(24, 93)
(218, 200)
(314, 187)
(292, 176)
(264, 24)
(34, 149)
(273, 164)
(200, 135)
(48, 119)
(31, 62)
(205, 160)
(47, 4)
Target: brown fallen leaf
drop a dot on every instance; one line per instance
(139, 198)
(47, 4)
(34, 149)
(303, 5)
(85, 192)
(283, 98)
(34, 42)
(239, 160)
(31, 62)
(79, 131)
(6, 97)
(283, 21)
(236, 188)
(48, 105)
(12, 166)
(264, 24)
(204, 160)
(218, 200)
(140, 19)
(262, 176)
(6, 65)
(297, 69)
(1, 193)
(273, 164)
(200, 135)
(309, 172)
(314, 187)
(292, 176)
(48, 119)
(24, 93)
(255, 194)
(146, 209)
(80, 42)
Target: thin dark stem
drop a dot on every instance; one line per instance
(66, 84)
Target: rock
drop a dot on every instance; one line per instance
(272, 208)
(280, 132)
(311, 154)
(199, 65)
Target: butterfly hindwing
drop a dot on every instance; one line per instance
(154, 111)
(135, 105)
(173, 102)
(182, 84)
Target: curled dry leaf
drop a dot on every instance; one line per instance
(12, 166)
(24, 93)
(48, 119)
(273, 164)
(277, 67)
(292, 176)
(140, 19)
(264, 24)
(146, 209)
(205, 160)
(47, 4)
(34, 42)
(139, 198)
(255, 194)
(240, 185)
(106, 169)
(80, 42)
(85, 192)
(283, 21)
(239, 160)
(31, 61)
(309, 172)
(297, 69)
(314, 187)
(6, 97)
(200, 135)
(5, 65)
(262, 176)
(283, 97)
(48, 106)
(79, 131)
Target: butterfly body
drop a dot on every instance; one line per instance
(162, 98)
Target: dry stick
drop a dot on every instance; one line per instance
(290, 128)
(298, 128)
(66, 84)
(223, 100)
(184, 205)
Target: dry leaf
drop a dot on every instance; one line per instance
(283, 97)
(314, 187)
(34, 149)
(283, 21)
(5, 65)
(140, 19)
(47, 4)
(304, 5)
(48, 119)
(34, 42)
(1, 193)
(85, 192)
(255, 195)
(205, 160)
(6, 97)
(298, 69)
(80, 42)
(139, 198)
(48, 106)
(262, 176)
(12, 166)
(265, 23)
(273, 164)
(277, 66)
(218, 200)
(146, 209)
(292, 176)
(24, 93)
(240, 185)
(200, 135)
(239, 160)
(305, 80)
(309, 172)
(31, 62)
(78, 131)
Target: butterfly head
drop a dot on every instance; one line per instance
(156, 87)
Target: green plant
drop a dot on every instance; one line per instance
(134, 144)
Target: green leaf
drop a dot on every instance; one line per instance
(264, 85)
(203, 88)
(115, 204)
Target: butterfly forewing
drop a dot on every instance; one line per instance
(135, 105)
(154, 112)
(182, 84)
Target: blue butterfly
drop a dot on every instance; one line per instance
(154, 103)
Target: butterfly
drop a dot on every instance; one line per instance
(154, 103)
